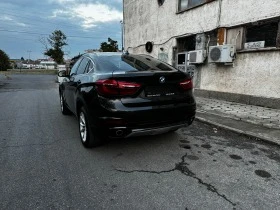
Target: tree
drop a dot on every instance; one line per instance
(110, 46)
(56, 40)
(4, 61)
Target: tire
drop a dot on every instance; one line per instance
(63, 107)
(173, 130)
(87, 136)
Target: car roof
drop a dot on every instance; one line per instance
(99, 54)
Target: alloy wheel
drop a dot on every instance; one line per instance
(61, 103)
(83, 127)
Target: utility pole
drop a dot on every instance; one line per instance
(122, 33)
(29, 51)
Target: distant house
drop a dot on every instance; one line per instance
(16, 63)
(48, 64)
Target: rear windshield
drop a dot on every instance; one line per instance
(112, 63)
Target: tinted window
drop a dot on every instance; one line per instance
(163, 67)
(75, 67)
(82, 66)
(141, 65)
(130, 63)
(90, 67)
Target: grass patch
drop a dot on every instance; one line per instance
(29, 71)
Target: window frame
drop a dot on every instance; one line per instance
(88, 69)
(269, 48)
(263, 33)
(85, 61)
(191, 7)
(75, 67)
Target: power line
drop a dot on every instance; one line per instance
(42, 34)
(46, 21)
(16, 38)
(29, 19)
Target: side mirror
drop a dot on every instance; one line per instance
(62, 74)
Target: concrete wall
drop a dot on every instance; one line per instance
(237, 12)
(146, 21)
(254, 73)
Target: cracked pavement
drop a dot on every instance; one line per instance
(44, 166)
(183, 168)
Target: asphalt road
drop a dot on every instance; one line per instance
(43, 165)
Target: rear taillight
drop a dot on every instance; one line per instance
(186, 84)
(111, 87)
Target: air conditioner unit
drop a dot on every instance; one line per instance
(196, 56)
(221, 54)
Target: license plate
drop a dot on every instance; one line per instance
(156, 91)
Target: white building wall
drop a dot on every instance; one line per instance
(146, 21)
(254, 73)
(237, 12)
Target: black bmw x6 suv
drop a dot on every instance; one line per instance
(119, 95)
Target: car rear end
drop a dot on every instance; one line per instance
(151, 99)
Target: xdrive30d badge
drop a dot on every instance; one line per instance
(118, 95)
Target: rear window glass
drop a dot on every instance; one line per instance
(112, 63)
(163, 67)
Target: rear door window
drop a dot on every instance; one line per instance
(74, 69)
(90, 67)
(83, 65)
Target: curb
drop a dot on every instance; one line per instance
(246, 133)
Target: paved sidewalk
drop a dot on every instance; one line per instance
(254, 121)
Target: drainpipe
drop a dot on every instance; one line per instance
(219, 14)
(123, 20)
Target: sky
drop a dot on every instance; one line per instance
(86, 23)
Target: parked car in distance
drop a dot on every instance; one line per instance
(117, 95)
(59, 69)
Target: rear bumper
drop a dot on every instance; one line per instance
(157, 130)
(153, 131)
(127, 132)
(141, 121)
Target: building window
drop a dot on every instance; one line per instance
(188, 4)
(262, 36)
(186, 43)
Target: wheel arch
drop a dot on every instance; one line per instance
(79, 105)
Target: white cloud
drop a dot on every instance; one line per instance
(21, 24)
(6, 18)
(88, 14)
(62, 1)
(60, 13)
(94, 13)
(15, 22)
